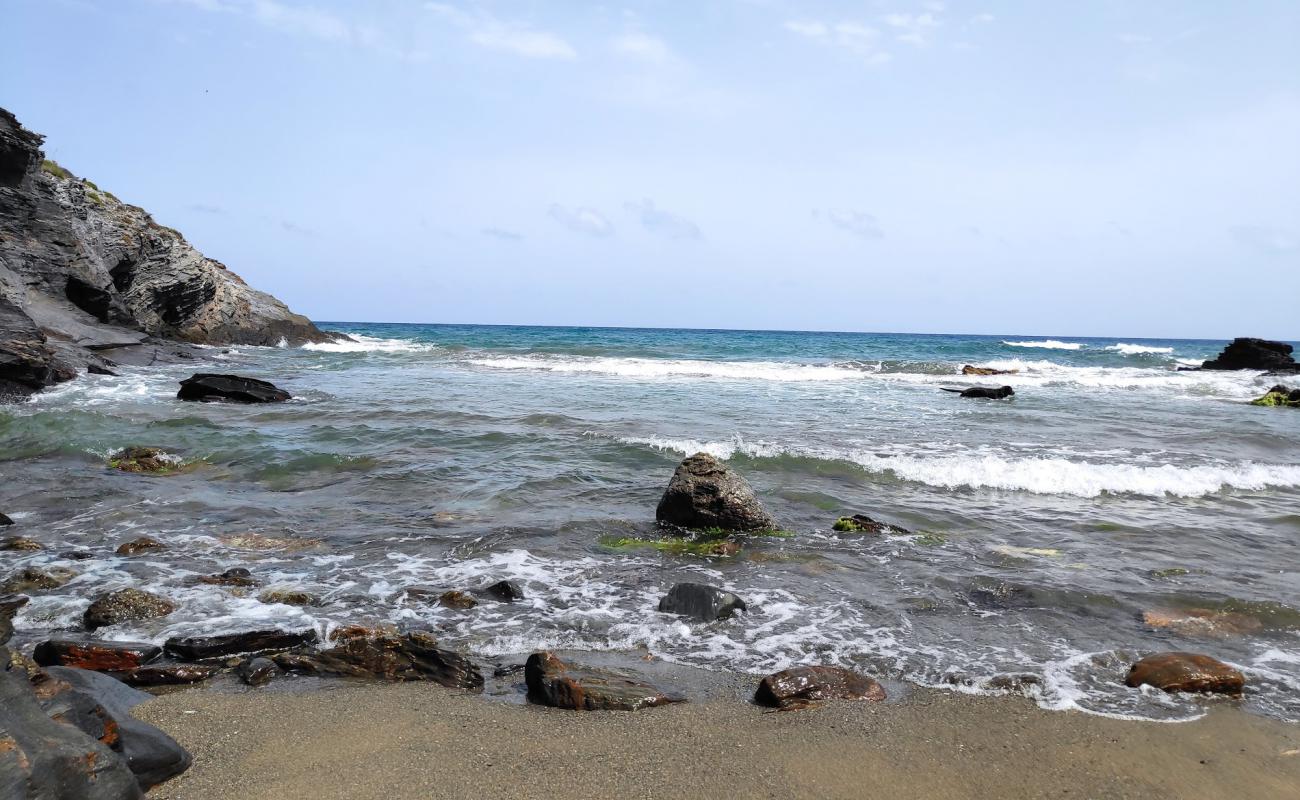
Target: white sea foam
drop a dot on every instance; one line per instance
(368, 344)
(1047, 344)
(1138, 349)
(677, 368)
(985, 469)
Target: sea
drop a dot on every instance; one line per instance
(1114, 507)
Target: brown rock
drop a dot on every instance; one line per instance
(408, 657)
(257, 671)
(196, 648)
(969, 370)
(143, 459)
(167, 675)
(126, 605)
(796, 687)
(143, 544)
(705, 493)
(457, 599)
(20, 543)
(36, 579)
(1202, 622)
(289, 597)
(552, 682)
(1185, 672)
(235, 576)
(95, 655)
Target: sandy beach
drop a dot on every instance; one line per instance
(360, 741)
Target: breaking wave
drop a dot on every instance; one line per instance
(1047, 344)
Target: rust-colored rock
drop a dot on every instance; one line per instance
(1202, 622)
(553, 682)
(797, 687)
(1185, 672)
(144, 544)
(95, 655)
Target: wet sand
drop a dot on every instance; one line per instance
(395, 742)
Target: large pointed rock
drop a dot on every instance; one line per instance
(705, 493)
(1248, 353)
(553, 682)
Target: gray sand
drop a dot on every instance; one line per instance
(420, 741)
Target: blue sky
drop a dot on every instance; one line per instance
(1090, 168)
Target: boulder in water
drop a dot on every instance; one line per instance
(1248, 353)
(456, 599)
(1280, 396)
(505, 591)
(144, 544)
(206, 387)
(152, 460)
(4, 520)
(126, 605)
(199, 648)
(700, 602)
(984, 392)
(552, 682)
(797, 687)
(705, 493)
(289, 596)
(1185, 672)
(861, 523)
(235, 576)
(36, 579)
(100, 656)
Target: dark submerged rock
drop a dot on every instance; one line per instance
(1185, 672)
(144, 544)
(235, 576)
(984, 392)
(4, 520)
(151, 754)
(100, 656)
(1248, 353)
(200, 648)
(861, 523)
(36, 579)
(456, 599)
(167, 674)
(9, 606)
(701, 602)
(796, 687)
(385, 656)
(41, 759)
(705, 493)
(506, 591)
(257, 671)
(208, 387)
(289, 597)
(553, 682)
(96, 369)
(21, 543)
(126, 605)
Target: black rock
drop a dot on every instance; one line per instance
(705, 493)
(381, 655)
(198, 648)
(701, 602)
(167, 675)
(507, 591)
(151, 754)
(207, 387)
(1247, 353)
(4, 520)
(96, 369)
(985, 392)
(9, 605)
(257, 671)
(41, 759)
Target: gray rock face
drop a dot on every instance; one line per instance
(705, 493)
(85, 277)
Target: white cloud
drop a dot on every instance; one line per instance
(643, 47)
(582, 220)
(983, 19)
(491, 33)
(913, 29)
(305, 20)
(858, 223)
(861, 40)
(661, 222)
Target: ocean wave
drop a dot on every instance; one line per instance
(677, 368)
(368, 344)
(1047, 344)
(1139, 349)
(981, 469)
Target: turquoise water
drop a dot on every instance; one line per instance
(1055, 534)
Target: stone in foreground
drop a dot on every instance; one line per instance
(1185, 672)
(552, 682)
(701, 602)
(385, 656)
(257, 671)
(126, 605)
(861, 523)
(36, 579)
(206, 387)
(705, 493)
(199, 648)
(797, 687)
(95, 655)
(1248, 353)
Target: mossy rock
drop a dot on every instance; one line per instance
(681, 546)
(1170, 572)
(151, 460)
(53, 168)
(1279, 399)
(861, 523)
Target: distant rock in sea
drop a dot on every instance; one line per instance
(88, 281)
(1247, 353)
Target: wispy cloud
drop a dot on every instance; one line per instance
(857, 38)
(643, 47)
(582, 220)
(858, 223)
(489, 32)
(913, 29)
(661, 222)
(1265, 239)
(501, 234)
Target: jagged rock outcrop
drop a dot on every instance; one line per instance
(1248, 353)
(87, 280)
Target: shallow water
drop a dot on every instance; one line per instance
(455, 456)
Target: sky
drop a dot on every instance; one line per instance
(1102, 167)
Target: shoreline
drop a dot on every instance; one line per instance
(416, 740)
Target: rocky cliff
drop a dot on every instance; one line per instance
(87, 280)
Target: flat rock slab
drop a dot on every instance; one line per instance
(553, 682)
(167, 675)
(206, 387)
(387, 657)
(701, 602)
(95, 655)
(200, 648)
(1185, 672)
(798, 686)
